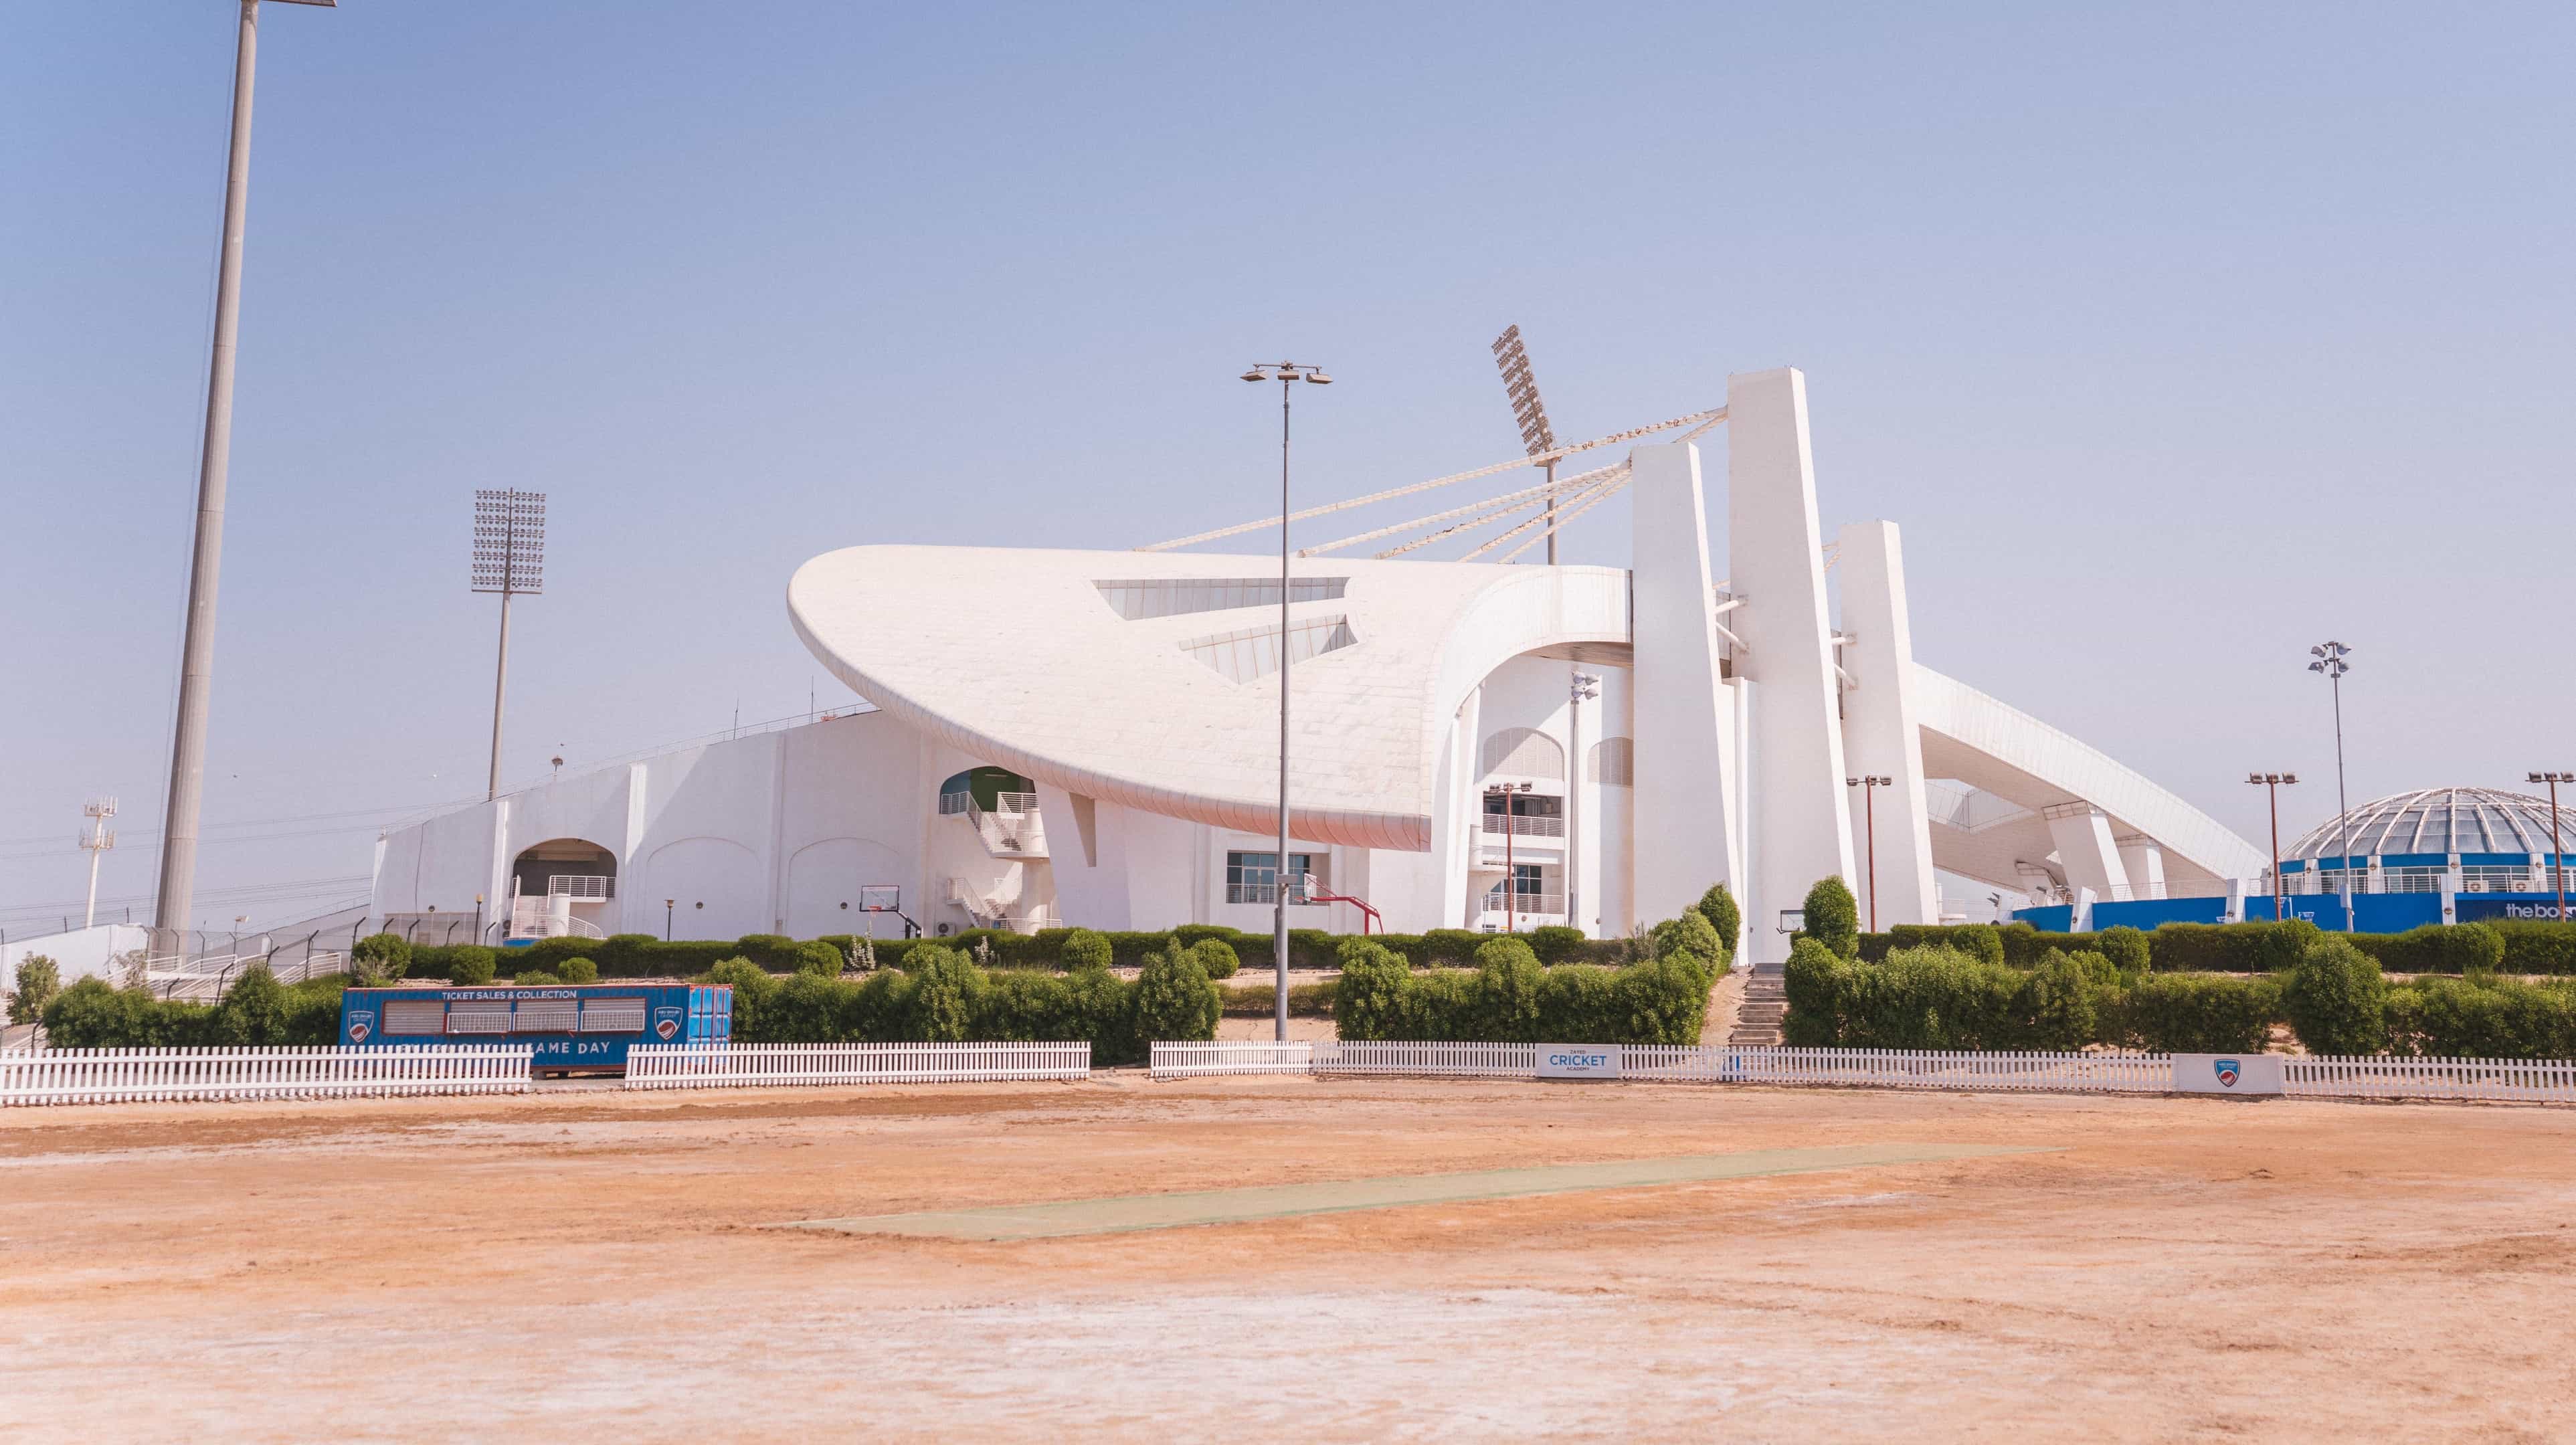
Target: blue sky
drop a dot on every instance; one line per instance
(2176, 337)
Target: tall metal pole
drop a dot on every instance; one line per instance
(1279, 890)
(2557, 852)
(1869, 811)
(197, 653)
(500, 683)
(2343, 808)
(2280, 890)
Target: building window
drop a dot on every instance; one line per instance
(1613, 763)
(1530, 815)
(1146, 597)
(1532, 888)
(1254, 877)
(1254, 652)
(1524, 753)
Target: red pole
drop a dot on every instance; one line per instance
(1869, 810)
(2557, 852)
(1511, 875)
(2280, 887)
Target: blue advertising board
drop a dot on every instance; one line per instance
(584, 1026)
(2532, 907)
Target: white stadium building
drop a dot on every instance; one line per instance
(1091, 738)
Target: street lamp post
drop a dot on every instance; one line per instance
(667, 905)
(176, 895)
(1869, 787)
(2272, 783)
(2557, 850)
(1511, 875)
(1287, 374)
(2330, 662)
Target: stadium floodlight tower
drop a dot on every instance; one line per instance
(509, 558)
(2330, 662)
(2557, 849)
(177, 893)
(1531, 413)
(1287, 374)
(2272, 783)
(95, 840)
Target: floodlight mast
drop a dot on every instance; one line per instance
(2330, 662)
(509, 558)
(1287, 374)
(1531, 413)
(95, 840)
(2272, 783)
(176, 896)
(2557, 849)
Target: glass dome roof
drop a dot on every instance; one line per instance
(2444, 820)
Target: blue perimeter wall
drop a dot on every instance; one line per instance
(2371, 912)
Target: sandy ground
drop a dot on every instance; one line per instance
(594, 1265)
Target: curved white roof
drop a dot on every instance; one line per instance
(1056, 664)
(2441, 820)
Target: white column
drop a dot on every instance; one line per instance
(1881, 737)
(2085, 849)
(1683, 804)
(497, 890)
(2143, 859)
(1799, 822)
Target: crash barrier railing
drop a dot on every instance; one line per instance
(2300, 1076)
(2328, 1076)
(121, 1076)
(761, 1066)
(1189, 1060)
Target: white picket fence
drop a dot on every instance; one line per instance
(122, 1076)
(2305, 1076)
(763, 1066)
(2531, 1081)
(1191, 1060)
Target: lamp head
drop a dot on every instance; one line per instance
(1319, 378)
(1256, 374)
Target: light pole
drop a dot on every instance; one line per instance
(176, 895)
(1531, 414)
(96, 841)
(667, 905)
(1869, 787)
(2330, 661)
(1511, 875)
(2271, 784)
(1287, 374)
(1581, 688)
(509, 558)
(2557, 852)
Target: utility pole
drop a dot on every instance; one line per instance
(2272, 784)
(177, 893)
(2557, 850)
(1869, 787)
(1287, 374)
(96, 840)
(509, 558)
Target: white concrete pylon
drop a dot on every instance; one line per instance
(1882, 735)
(2086, 849)
(1775, 562)
(1685, 807)
(2144, 863)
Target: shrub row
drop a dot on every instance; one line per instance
(1509, 998)
(938, 994)
(2507, 946)
(2334, 997)
(255, 1011)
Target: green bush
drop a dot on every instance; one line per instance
(1691, 934)
(820, 959)
(471, 965)
(1083, 949)
(535, 978)
(1718, 907)
(1556, 943)
(2489, 1018)
(2336, 999)
(253, 1012)
(2537, 947)
(945, 985)
(2198, 1013)
(379, 958)
(2127, 949)
(1832, 917)
(2260, 947)
(1813, 981)
(1981, 941)
(1217, 958)
(1370, 1000)
(39, 982)
(582, 970)
(1504, 1004)
(1174, 999)
(2435, 948)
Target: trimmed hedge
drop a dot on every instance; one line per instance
(2483, 1018)
(939, 994)
(1931, 997)
(255, 1011)
(1510, 998)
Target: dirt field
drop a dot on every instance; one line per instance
(596, 1265)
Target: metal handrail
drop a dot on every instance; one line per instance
(1525, 825)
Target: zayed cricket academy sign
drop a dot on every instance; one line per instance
(1578, 1061)
(2227, 1073)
